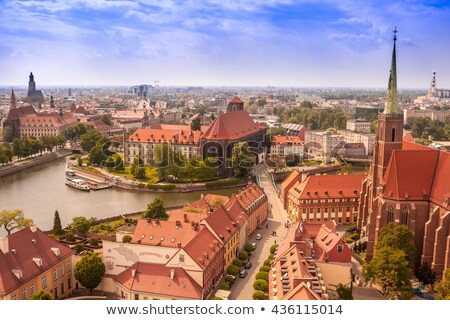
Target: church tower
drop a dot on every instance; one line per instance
(31, 83)
(235, 104)
(390, 125)
(52, 102)
(12, 101)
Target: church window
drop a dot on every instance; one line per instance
(404, 216)
(390, 214)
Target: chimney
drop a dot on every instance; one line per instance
(33, 228)
(185, 217)
(172, 273)
(4, 245)
(202, 196)
(178, 244)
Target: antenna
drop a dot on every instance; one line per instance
(395, 33)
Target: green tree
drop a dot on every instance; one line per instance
(89, 271)
(238, 263)
(262, 275)
(79, 161)
(89, 140)
(262, 102)
(57, 228)
(243, 255)
(248, 247)
(106, 119)
(80, 224)
(425, 274)
(139, 173)
(442, 288)
(41, 295)
(127, 238)
(233, 270)
(243, 160)
(195, 124)
(306, 104)
(14, 219)
(344, 292)
(259, 295)
(397, 237)
(156, 210)
(261, 285)
(391, 270)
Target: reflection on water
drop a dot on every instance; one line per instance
(39, 191)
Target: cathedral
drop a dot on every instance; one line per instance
(407, 184)
(33, 95)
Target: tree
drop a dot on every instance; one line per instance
(242, 158)
(80, 224)
(89, 140)
(262, 102)
(391, 270)
(397, 237)
(126, 238)
(248, 247)
(13, 219)
(238, 263)
(261, 285)
(41, 295)
(106, 119)
(243, 255)
(259, 295)
(139, 173)
(89, 270)
(442, 288)
(425, 274)
(79, 161)
(233, 270)
(156, 210)
(57, 228)
(262, 275)
(195, 124)
(306, 104)
(344, 292)
(273, 248)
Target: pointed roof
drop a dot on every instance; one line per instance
(236, 100)
(391, 105)
(231, 126)
(12, 103)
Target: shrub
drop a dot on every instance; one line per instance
(261, 285)
(243, 255)
(273, 248)
(354, 236)
(70, 238)
(270, 256)
(262, 275)
(259, 295)
(264, 269)
(127, 238)
(93, 242)
(248, 247)
(238, 263)
(268, 262)
(224, 286)
(141, 185)
(233, 270)
(78, 248)
(229, 279)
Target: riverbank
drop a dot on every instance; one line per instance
(122, 183)
(32, 162)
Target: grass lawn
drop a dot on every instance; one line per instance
(107, 228)
(150, 172)
(89, 169)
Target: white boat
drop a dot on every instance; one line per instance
(78, 184)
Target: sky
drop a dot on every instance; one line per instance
(303, 43)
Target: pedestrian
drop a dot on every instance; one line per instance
(267, 226)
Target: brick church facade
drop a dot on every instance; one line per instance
(407, 184)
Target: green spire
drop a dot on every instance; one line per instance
(391, 106)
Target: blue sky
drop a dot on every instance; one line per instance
(305, 43)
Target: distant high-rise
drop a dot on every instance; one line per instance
(33, 95)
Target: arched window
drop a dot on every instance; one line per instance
(404, 216)
(390, 214)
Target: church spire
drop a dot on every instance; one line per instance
(12, 102)
(391, 106)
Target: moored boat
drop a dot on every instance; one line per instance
(78, 184)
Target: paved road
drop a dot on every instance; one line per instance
(243, 288)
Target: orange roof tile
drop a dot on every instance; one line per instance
(441, 183)
(186, 216)
(156, 278)
(203, 248)
(287, 140)
(222, 224)
(163, 135)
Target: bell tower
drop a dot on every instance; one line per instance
(31, 83)
(12, 101)
(235, 104)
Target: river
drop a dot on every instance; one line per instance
(39, 191)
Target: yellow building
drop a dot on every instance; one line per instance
(31, 261)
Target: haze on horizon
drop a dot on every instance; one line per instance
(303, 43)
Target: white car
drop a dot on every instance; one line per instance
(259, 236)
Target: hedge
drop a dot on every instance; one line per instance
(261, 285)
(222, 183)
(238, 263)
(262, 276)
(259, 295)
(233, 270)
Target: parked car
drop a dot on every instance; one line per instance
(243, 274)
(254, 245)
(248, 265)
(259, 236)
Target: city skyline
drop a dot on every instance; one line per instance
(223, 43)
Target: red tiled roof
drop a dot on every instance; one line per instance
(207, 201)
(163, 135)
(231, 126)
(186, 216)
(222, 224)
(15, 113)
(236, 211)
(441, 183)
(46, 120)
(292, 178)
(203, 248)
(25, 251)
(409, 174)
(177, 127)
(327, 239)
(236, 100)
(164, 233)
(287, 140)
(328, 186)
(408, 145)
(248, 195)
(156, 278)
